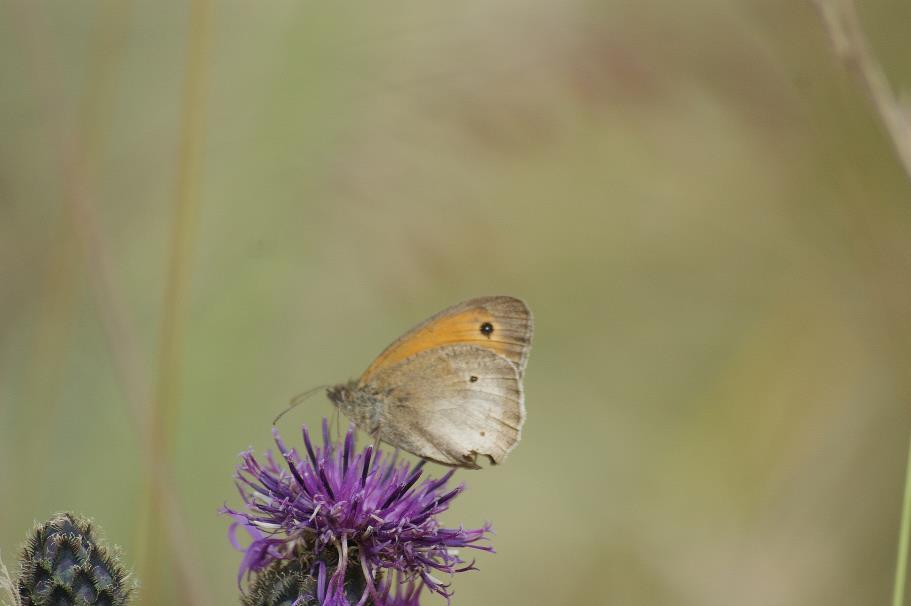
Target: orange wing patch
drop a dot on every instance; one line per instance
(507, 336)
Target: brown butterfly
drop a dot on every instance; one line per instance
(450, 388)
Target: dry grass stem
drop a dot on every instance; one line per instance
(844, 27)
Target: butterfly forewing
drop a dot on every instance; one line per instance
(500, 324)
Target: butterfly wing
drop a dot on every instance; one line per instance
(499, 324)
(451, 404)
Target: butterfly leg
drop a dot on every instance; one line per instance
(376, 443)
(335, 421)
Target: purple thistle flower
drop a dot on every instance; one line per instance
(347, 509)
(404, 593)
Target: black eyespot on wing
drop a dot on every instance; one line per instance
(473, 379)
(487, 329)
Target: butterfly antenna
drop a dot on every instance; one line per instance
(297, 400)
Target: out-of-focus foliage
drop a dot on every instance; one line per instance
(694, 198)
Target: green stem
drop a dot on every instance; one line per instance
(901, 565)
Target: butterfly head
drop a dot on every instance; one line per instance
(340, 394)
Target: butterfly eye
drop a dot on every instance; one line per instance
(486, 329)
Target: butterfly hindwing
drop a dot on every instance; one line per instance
(451, 404)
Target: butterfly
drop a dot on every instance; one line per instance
(450, 389)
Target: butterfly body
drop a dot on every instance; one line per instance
(450, 389)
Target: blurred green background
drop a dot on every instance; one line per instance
(204, 211)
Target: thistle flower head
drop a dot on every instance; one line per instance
(339, 508)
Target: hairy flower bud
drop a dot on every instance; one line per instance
(63, 564)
